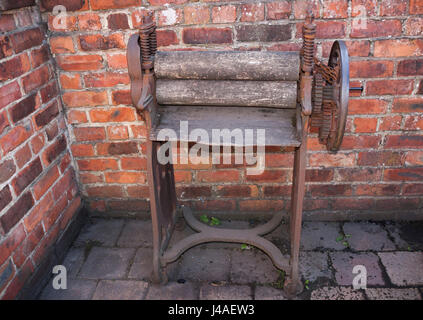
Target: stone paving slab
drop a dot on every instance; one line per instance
(101, 231)
(252, 266)
(107, 263)
(205, 265)
(268, 293)
(120, 290)
(136, 233)
(77, 289)
(344, 262)
(403, 268)
(112, 259)
(407, 236)
(142, 267)
(366, 236)
(314, 265)
(320, 235)
(73, 261)
(172, 291)
(225, 292)
(393, 294)
(337, 293)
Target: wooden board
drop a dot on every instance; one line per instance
(276, 94)
(279, 124)
(227, 65)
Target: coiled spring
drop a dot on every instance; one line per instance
(309, 33)
(148, 41)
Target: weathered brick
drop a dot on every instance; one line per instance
(278, 10)
(196, 14)
(374, 29)
(407, 105)
(23, 108)
(82, 150)
(371, 69)
(27, 175)
(46, 182)
(97, 164)
(410, 67)
(23, 155)
(416, 6)
(101, 42)
(393, 8)
(261, 205)
(398, 48)
(125, 177)
(9, 93)
(389, 87)
(105, 79)
(268, 176)
(26, 39)
(15, 213)
(89, 21)
(85, 98)
(404, 141)
(365, 125)
(5, 47)
(39, 56)
(46, 115)
(49, 91)
(36, 79)
(380, 158)
(414, 158)
(117, 148)
(15, 137)
(252, 12)
(5, 197)
(62, 44)
(4, 122)
(117, 21)
(403, 174)
(70, 81)
(301, 7)
(80, 62)
(14, 67)
(168, 17)
(367, 106)
(54, 150)
(237, 191)
(207, 35)
(112, 4)
(112, 115)
(7, 23)
(332, 160)
(121, 97)
(89, 133)
(192, 192)
(105, 191)
(264, 33)
(224, 14)
(36, 214)
(335, 9)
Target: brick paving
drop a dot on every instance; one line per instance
(111, 259)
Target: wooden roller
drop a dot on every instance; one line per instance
(274, 94)
(227, 65)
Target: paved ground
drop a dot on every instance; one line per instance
(111, 259)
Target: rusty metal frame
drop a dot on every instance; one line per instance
(163, 202)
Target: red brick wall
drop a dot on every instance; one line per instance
(379, 168)
(38, 191)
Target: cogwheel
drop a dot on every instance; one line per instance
(316, 115)
(328, 109)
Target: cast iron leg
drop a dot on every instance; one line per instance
(293, 285)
